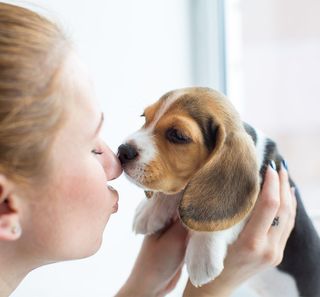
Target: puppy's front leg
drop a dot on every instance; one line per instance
(206, 252)
(155, 213)
(204, 256)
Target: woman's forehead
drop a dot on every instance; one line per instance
(75, 75)
(78, 90)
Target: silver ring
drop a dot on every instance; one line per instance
(275, 221)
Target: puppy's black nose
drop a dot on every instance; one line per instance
(126, 153)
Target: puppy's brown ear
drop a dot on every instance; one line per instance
(225, 189)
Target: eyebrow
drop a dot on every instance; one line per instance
(100, 124)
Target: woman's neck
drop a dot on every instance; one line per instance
(5, 290)
(14, 266)
(9, 280)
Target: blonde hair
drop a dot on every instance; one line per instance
(32, 50)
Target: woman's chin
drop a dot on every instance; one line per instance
(93, 250)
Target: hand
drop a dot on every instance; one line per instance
(158, 266)
(259, 245)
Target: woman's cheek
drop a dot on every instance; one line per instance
(105, 198)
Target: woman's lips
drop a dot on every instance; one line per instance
(116, 205)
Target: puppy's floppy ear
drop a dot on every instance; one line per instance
(225, 189)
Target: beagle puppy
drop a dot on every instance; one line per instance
(195, 157)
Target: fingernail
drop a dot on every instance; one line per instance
(284, 163)
(272, 164)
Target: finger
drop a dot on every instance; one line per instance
(174, 241)
(173, 282)
(294, 197)
(286, 207)
(285, 191)
(291, 221)
(176, 230)
(266, 206)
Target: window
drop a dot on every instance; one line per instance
(273, 60)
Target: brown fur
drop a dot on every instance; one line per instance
(218, 170)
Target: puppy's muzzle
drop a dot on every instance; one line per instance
(127, 153)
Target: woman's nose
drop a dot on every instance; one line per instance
(112, 166)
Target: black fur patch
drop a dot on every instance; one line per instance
(251, 131)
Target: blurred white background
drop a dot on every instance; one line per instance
(264, 54)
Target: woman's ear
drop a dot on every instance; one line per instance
(9, 218)
(225, 189)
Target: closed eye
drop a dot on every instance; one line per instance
(97, 152)
(174, 135)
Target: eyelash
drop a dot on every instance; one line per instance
(96, 152)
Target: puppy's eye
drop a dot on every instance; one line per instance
(176, 136)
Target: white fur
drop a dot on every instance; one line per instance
(165, 106)
(146, 148)
(206, 252)
(153, 214)
(143, 140)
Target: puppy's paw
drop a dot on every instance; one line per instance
(202, 271)
(148, 219)
(204, 258)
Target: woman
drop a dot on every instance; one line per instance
(54, 202)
